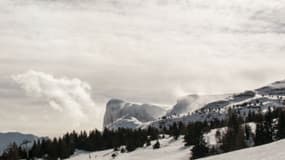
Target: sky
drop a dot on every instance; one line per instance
(62, 60)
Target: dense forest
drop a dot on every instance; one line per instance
(270, 126)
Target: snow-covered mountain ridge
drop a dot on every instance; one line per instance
(193, 108)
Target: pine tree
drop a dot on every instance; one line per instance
(218, 136)
(193, 132)
(234, 137)
(281, 125)
(175, 132)
(156, 145)
(200, 150)
(262, 136)
(268, 126)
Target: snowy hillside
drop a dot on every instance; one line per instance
(7, 138)
(276, 88)
(170, 150)
(119, 111)
(273, 151)
(175, 150)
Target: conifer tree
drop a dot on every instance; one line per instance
(234, 137)
(193, 132)
(281, 125)
(200, 150)
(156, 145)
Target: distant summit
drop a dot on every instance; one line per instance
(15, 137)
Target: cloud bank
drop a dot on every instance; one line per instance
(67, 96)
(149, 51)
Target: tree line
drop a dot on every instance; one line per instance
(270, 126)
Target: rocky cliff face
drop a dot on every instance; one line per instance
(121, 110)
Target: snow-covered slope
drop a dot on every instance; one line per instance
(119, 111)
(170, 150)
(273, 151)
(128, 122)
(7, 138)
(175, 150)
(276, 88)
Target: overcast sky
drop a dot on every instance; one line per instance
(62, 60)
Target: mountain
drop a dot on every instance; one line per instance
(270, 96)
(131, 114)
(10, 137)
(193, 108)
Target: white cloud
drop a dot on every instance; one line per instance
(68, 96)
